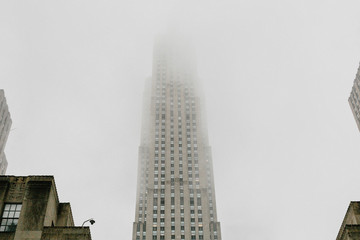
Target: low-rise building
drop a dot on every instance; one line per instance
(30, 209)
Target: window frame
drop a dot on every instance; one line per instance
(10, 217)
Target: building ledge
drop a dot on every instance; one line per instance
(52, 233)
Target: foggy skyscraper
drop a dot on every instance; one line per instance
(354, 99)
(175, 191)
(5, 124)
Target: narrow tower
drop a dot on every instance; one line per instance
(5, 124)
(175, 191)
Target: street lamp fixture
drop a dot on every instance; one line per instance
(92, 221)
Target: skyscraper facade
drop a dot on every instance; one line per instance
(354, 99)
(5, 124)
(175, 191)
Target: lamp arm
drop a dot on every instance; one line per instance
(85, 222)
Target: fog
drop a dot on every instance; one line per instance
(276, 76)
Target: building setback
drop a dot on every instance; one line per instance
(350, 227)
(5, 124)
(30, 209)
(175, 190)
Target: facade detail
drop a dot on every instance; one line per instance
(350, 227)
(30, 209)
(175, 191)
(5, 124)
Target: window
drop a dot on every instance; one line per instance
(10, 217)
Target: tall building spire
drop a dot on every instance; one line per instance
(175, 192)
(5, 124)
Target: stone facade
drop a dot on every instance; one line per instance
(350, 227)
(31, 210)
(175, 191)
(65, 233)
(5, 124)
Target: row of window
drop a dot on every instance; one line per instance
(162, 149)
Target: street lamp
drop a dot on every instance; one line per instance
(92, 221)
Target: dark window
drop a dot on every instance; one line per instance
(10, 217)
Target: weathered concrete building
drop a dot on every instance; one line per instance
(350, 227)
(5, 124)
(30, 209)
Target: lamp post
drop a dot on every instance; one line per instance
(92, 221)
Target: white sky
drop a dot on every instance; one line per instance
(276, 75)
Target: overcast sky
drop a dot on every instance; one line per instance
(276, 76)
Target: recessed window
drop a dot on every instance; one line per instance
(10, 217)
